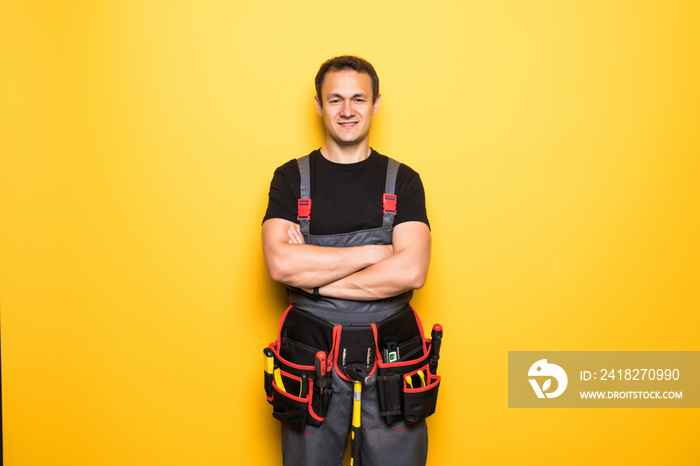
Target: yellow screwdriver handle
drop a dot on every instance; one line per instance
(278, 379)
(269, 362)
(421, 375)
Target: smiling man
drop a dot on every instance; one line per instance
(346, 230)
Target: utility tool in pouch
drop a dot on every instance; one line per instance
(278, 379)
(320, 366)
(304, 386)
(435, 343)
(269, 370)
(356, 432)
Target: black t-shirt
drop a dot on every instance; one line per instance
(346, 197)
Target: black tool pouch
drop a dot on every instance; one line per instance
(400, 339)
(356, 352)
(419, 401)
(303, 399)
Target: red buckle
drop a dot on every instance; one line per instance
(304, 209)
(389, 203)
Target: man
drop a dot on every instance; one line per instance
(350, 252)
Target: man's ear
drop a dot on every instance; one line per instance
(319, 107)
(376, 104)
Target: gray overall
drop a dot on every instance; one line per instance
(382, 445)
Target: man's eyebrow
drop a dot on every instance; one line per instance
(338, 96)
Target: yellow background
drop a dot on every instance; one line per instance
(557, 141)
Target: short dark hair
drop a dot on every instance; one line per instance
(347, 62)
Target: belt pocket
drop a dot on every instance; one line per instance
(297, 396)
(297, 375)
(390, 397)
(392, 389)
(318, 405)
(407, 389)
(407, 395)
(420, 391)
(300, 353)
(302, 335)
(288, 408)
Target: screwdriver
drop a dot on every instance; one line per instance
(269, 369)
(435, 343)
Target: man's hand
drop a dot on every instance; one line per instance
(294, 233)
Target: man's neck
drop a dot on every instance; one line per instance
(345, 154)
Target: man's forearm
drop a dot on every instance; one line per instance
(387, 278)
(291, 261)
(307, 266)
(405, 270)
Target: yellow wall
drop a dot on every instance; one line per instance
(557, 142)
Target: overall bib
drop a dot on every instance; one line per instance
(324, 344)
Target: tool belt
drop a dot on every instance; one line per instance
(393, 352)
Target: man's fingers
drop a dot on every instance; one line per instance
(295, 236)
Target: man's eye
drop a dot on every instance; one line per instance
(359, 100)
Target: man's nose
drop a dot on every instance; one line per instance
(347, 110)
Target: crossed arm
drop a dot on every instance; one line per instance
(360, 273)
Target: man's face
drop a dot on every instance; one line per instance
(347, 106)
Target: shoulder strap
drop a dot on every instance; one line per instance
(389, 197)
(304, 202)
